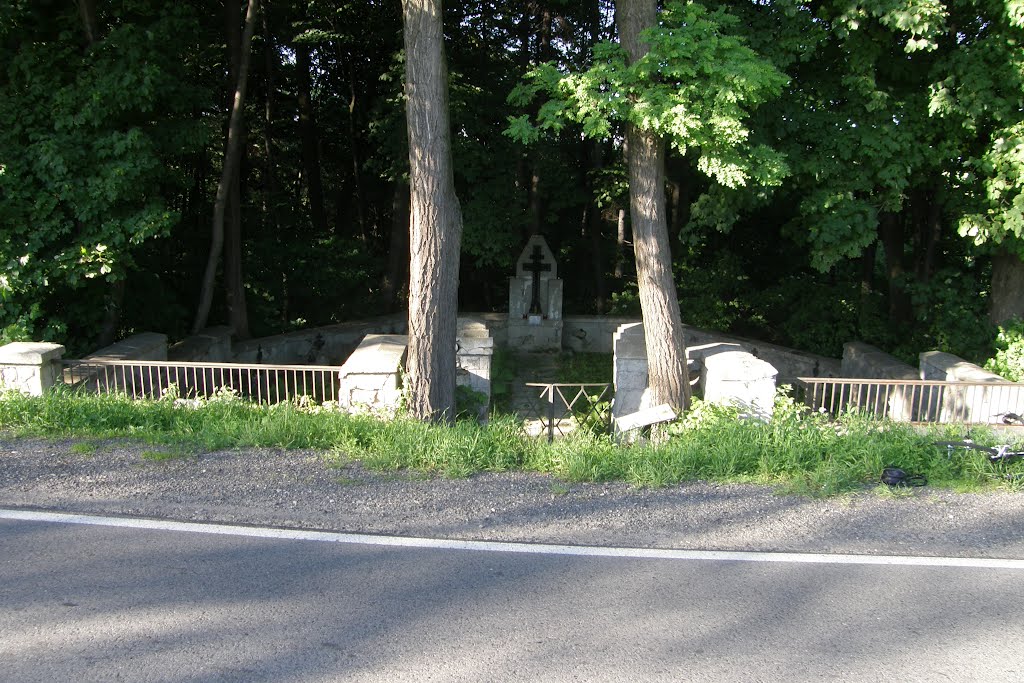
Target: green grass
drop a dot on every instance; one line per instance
(797, 452)
(84, 448)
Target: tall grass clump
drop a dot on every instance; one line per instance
(797, 450)
(454, 451)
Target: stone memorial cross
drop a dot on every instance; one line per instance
(536, 265)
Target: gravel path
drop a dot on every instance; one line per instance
(301, 489)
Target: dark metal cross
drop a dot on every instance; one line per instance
(536, 266)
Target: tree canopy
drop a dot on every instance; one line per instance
(834, 170)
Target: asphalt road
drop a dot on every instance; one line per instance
(93, 603)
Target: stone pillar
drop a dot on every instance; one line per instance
(474, 348)
(371, 377)
(30, 367)
(629, 370)
(740, 379)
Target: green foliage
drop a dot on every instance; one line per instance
(88, 144)
(504, 369)
(1008, 361)
(585, 368)
(470, 404)
(696, 86)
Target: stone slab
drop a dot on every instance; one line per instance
(30, 353)
(865, 361)
(142, 346)
(645, 418)
(377, 354)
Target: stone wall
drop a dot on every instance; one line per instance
(327, 345)
(142, 346)
(868, 362)
(972, 403)
(863, 361)
(212, 345)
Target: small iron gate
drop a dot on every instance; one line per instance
(563, 408)
(153, 379)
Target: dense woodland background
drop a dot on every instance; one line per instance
(895, 212)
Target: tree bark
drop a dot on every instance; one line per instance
(668, 379)
(1007, 300)
(234, 287)
(398, 250)
(90, 23)
(435, 226)
(232, 158)
(620, 243)
(890, 230)
(310, 141)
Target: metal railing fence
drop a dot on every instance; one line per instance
(265, 384)
(564, 407)
(918, 401)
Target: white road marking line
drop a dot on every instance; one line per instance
(506, 547)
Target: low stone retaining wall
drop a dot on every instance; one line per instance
(973, 403)
(865, 361)
(142, 346)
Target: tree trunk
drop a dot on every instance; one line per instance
(232, 157)
(620, 244)
(353, 146)
(398, 251)
(592, 225)
(890, 231)
(234, 284)
(310, 141)
(234, 288)
(668, 378)
(435, 226)
(90, 23)
(112, 314)
(1007, 300)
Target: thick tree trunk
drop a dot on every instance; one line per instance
(435, 226)
(234, 288)
(1007, 300)
(232, 159)
(668, 378)
(310, 141)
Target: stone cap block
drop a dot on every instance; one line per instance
(864, 360)
(945, 366)
(30, 353)
(377, 354)
(738, 366)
